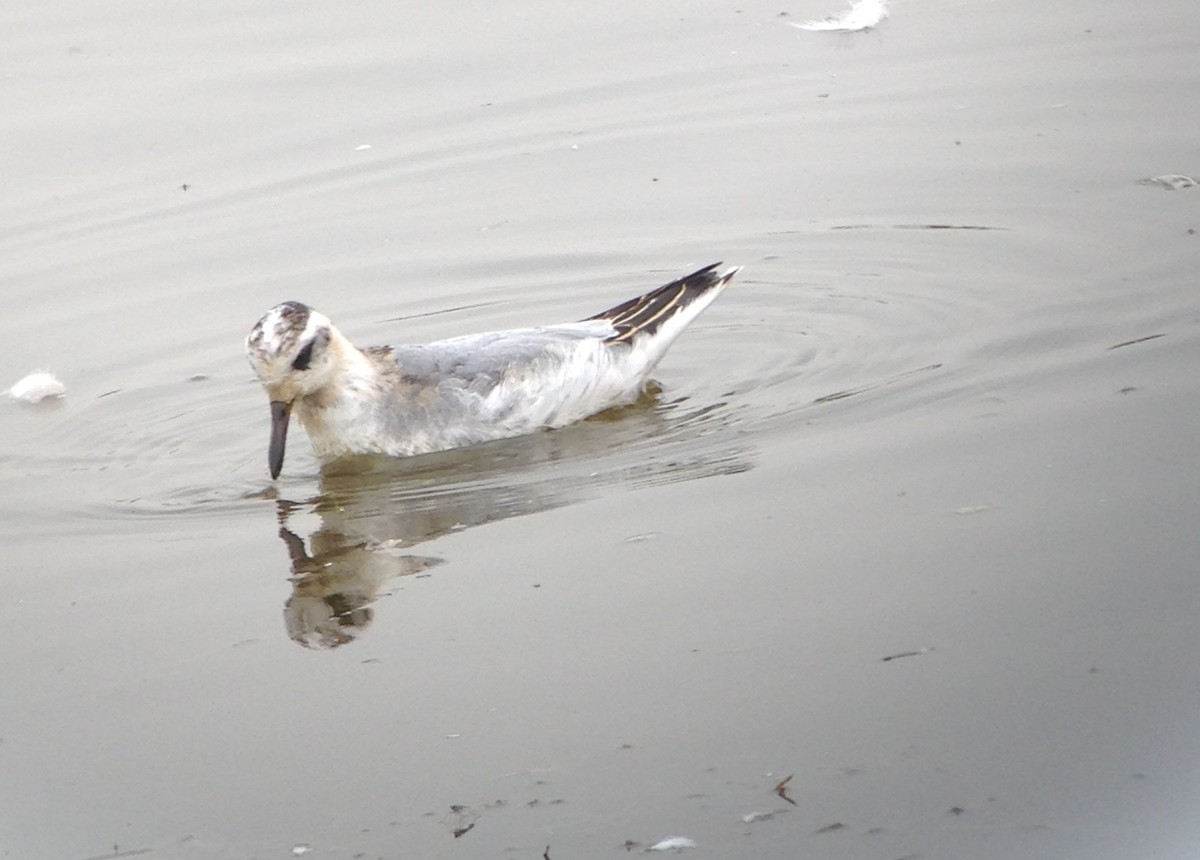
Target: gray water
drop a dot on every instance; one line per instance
(909, 518)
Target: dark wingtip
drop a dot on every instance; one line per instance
(645, 313)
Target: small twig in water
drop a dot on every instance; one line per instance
(917, 653)
(781, 788)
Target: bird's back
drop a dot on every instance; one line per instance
(506, 383)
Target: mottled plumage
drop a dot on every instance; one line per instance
(408, 400)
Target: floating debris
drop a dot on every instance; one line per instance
(461, 820)
(1170, 182)
(916, 653)
(36, 387)
(830, 828)
(117, 852)
(1137, 340)
(300, 850)
(862, 15)
(915, 227)
(362, 146)
(752, 817)
(673, 843)
(645, 536)
(781, 788)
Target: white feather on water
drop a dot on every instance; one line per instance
(862, 15)
(672, 843)
(36, 387)
(1170, 181)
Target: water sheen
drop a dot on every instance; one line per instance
(907, 517)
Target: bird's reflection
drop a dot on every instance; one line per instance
(333, 588)
(373, 510)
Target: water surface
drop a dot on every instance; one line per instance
(909, 516)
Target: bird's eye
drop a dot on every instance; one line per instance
(304, 357)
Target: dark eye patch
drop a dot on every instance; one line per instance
(304, 357)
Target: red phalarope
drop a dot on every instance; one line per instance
(407, 400)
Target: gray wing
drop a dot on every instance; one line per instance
(478, 362)
(489, 386)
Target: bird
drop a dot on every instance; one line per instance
(417, 399)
